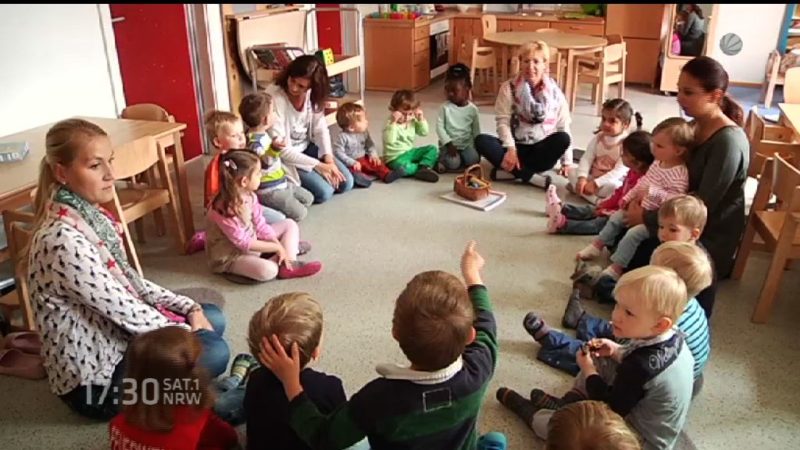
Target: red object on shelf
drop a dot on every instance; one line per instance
(329, 28)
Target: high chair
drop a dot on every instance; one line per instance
(19, 237)
(767, 140)
(779, 229)
(133, 202)
(610, 70)
(773, 77)
(484, 59)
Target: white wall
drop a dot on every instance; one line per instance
(54, 65)
(758, 26)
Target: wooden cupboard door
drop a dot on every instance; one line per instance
(504, 25)
(422, 75)
(636, 21)
(528, 25)
(465, 30)
(642, 60)
(594, 29)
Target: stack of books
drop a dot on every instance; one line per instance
(276, 58)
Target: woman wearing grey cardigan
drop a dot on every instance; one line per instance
(718, 163)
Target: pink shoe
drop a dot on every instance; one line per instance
(303, 247)
(20, 364)
(197, 243)
(299, 269)
(26, 341)
(553, 206)
(555, 223)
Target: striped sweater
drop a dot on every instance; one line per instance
(694, 325)
(658, 185)
(403, 411)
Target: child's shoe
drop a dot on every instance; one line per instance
(535, 326)
(426, 174)
(543, 400)
(552, 202)
(197, 243)
(299, 269)
(556, 222)
(574, 310)
(591, 251)
(361, 180)
(542, 181)
(522, 407)
(394, 175)
(303, 247)
(613, 271)
(440, 168)
(242, 364)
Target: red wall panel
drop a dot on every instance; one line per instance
(329, 28)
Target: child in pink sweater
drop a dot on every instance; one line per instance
(239, 240)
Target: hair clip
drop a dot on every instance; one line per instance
(230, 164)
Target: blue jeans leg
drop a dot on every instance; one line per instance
(272, 215)
(558, 350)
(348, 182)
(612, 229)
(470, 156)
(590, 327)
(628, 245)
(230, 406)
(317, 185)
(216, 353)
(584, 227)
(578, 212)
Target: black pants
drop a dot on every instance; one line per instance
(533, 158)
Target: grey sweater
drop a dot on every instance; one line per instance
(717, 173)
(349, 147)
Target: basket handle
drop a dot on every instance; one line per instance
(472, 168)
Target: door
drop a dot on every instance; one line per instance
(156, 65)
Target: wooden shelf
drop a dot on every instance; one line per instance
(343, 63)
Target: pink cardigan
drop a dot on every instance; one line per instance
(241, 233)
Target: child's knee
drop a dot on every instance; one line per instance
(266, 271)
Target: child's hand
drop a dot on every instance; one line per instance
(471, 264)
(452, 151)
(397, 117)
(285, 368)
(279, 143)
(580, 185)
(590, 188)
(375, 159)
(585, 362)
(356, 167)
(564, 170)
(603, 348)
(418, 115)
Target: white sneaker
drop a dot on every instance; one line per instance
(588, 252)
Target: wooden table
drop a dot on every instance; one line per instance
(790, 116)
(574, 44)
(18, 179)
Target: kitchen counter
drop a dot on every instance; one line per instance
(476, 14)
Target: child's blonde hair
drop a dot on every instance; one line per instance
(680, 132)
(293, 317)
(687, 210)
(534, 47)
(589, 425)
(347, 113)
(254, 108)
(433, 319)
(659, 289)
(232, 167)
(689, 261)
(165, 355)
(215, 121)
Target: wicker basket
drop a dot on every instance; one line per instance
(470, 186)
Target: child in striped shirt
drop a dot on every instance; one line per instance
(667, 177)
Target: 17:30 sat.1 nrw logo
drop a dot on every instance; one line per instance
(150, 391)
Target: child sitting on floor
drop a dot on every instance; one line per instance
(403, 126)
(458, 124)
(589, 425)
(167, 357)
(647, 380)
(601, 169)
(276, 190)
(296, 318)
(666, 178)
(448, 332)
(355, 149)
(240, 242)
(590, 219)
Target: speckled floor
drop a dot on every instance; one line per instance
(373, 241)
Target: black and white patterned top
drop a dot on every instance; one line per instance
(84, 314)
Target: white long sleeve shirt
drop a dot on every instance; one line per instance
(603, 160)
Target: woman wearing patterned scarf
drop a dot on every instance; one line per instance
(87, 300)
(533, 119)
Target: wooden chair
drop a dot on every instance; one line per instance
(155, 113)
(488, 24)
(18, 238)
(133, 202)
(767, 140)
(779, 229)
(772, 77)
(791, 85)
(484, 59)
(610, 70)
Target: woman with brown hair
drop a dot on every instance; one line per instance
(167, 397)
(87, 299)
(717, 164)
(299, 94)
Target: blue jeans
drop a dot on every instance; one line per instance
(581, 219)
(558, 349)
(101, 403)
(230, 401)
(272, 215)
(630, 241)
(465, 157)
(317, 184)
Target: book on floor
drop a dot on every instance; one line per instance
(492, 201)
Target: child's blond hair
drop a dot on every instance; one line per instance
(534, 47)
(293, 317)
(215, 121)
(589, 425)
(689, 261)
(433, 319)
(680, 132)
(687, 210)
(347, 113)
(659, 289)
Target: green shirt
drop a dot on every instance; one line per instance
(458, 124)
(398, 138)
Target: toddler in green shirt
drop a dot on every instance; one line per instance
(403, 126)
(458, 123)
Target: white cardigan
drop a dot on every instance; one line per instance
(504, 107)
(86, 317)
